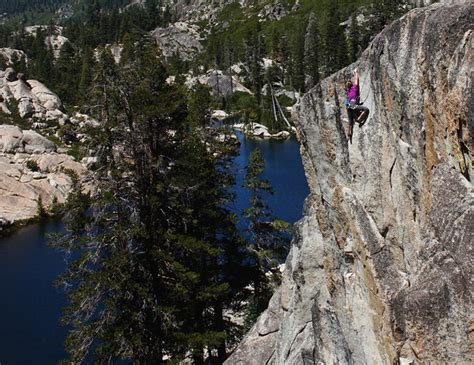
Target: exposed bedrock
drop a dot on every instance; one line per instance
(30, 168)
(381, 268)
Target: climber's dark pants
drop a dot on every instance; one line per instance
(357, 113)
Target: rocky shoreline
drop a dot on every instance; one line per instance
(261, 131)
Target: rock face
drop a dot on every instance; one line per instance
(220, 83)
(381, 268)
(197, 10)
(179, 38)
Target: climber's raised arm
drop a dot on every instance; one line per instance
(356, 77)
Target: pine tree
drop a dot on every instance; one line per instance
(85, 80)
(152, 277)
(199, 105)
(298, 61)
(228, 62)
(65, 73)
(311, 48)
(336, 53)
(267, 235)
(253, 60)
(18, 63)
(354, 38)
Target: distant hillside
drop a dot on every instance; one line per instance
(284, 45)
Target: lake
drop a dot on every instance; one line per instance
(30, 306)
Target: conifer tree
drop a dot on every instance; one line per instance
(298, 62)
(85, 80)
(199, 105)
(336, 53)
(267, 236)
(154, 274)
(18, 62)
(65, 73)
(311, 49)
(253, 60)
(354, 38)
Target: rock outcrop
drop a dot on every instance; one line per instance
(54, 38)
(30, 168)
(220, 83)
(180, 39)
(13, 139)
(259, 130)
(34, 99)
(10, 54)
(381, 268)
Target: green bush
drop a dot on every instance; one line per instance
(40, 210)
(32, 165)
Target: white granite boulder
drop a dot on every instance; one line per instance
(34, 142)
(10, 138)
(34, 98)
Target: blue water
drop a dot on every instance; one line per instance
(284, 171)
(30, 306)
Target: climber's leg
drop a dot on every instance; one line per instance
(362, 114)
(350, 116)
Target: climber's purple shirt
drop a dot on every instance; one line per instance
(352, 93)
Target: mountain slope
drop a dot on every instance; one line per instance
(381, 269)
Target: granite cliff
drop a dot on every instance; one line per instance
(381, 268)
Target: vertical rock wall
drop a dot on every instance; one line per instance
(381, 268)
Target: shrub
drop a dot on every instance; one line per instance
(32, 165)
(40, 210)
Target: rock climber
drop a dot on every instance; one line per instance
(356, 112)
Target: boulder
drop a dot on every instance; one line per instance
(10, 138)
(281, 135)
(53, 162)
(219, 114)
(84, 120)
(116, 51)
(26, 108)
(55, 42)
(4, 107)
(34, 142)
(49, 100)
(259, 130)
(39, 125)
